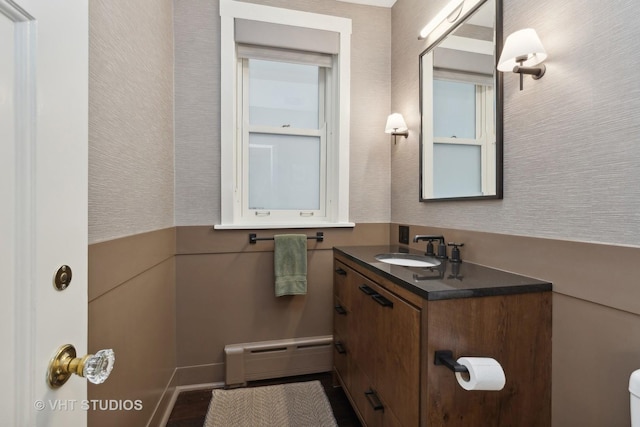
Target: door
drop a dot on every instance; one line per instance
(43, 207)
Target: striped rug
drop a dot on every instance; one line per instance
(284, 405)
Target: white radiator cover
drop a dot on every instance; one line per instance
(278, 358)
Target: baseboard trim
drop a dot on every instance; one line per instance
(199, 374)
(162, 411)
(183, 388)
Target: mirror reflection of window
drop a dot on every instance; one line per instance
(456, 170)
(460, 131)
(454, 109)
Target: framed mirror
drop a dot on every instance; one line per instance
(461, 104)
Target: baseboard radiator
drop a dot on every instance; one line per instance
(275, 359)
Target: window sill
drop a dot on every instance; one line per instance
(282, 226)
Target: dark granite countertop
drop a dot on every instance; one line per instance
(447, 281)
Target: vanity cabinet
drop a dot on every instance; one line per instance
(385, 338)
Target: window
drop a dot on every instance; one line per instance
(284, 139)
(284, 117)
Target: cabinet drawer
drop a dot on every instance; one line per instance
(341, 360)
(372, 407)
(341, 275)
(341, 317)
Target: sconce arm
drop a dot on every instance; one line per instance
(535, 72)
(404, 133)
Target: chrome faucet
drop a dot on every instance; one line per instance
(442, 247)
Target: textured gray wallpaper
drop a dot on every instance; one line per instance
(131, 176)
(571, 139)
(197, 108)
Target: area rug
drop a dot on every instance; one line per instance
(284, 405)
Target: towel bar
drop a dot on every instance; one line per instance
(253, 238)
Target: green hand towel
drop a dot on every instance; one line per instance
(290, 264)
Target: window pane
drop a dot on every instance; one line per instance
(284, 172)
(461, 162)
(283, 94)
(454, 109)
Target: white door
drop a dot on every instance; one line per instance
(43, 205)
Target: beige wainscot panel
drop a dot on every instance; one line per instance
(137, 320)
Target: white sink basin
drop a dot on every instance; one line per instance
(408, 260)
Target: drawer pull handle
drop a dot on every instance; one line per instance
(374, 400)
(340, 347)
(367, 290)
(382, 300)
(341, 272)
(340, 309)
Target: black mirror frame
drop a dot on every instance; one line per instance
(499, 110)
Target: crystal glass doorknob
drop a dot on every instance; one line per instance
(98, 366)
(94, 367)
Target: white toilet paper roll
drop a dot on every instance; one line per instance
(485, 373)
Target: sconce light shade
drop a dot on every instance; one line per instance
(523, 53)
(396, 125)
(522, 43)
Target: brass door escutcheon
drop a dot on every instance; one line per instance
(63, 278)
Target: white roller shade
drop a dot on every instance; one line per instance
(458, 60)
(286, 36)
(284, 55)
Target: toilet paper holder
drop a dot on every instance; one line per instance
(445, 357)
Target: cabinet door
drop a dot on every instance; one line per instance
(365, 324)
(380, 336)
(397, 356)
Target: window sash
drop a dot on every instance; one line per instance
(247, 129)
(274, 213)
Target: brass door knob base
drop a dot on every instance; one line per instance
(96, 368)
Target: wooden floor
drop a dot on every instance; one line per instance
(191, 407)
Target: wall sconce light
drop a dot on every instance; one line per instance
(523, 53)
(396, 126)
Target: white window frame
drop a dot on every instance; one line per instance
(233, 214)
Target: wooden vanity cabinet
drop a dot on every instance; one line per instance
(385, 340)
